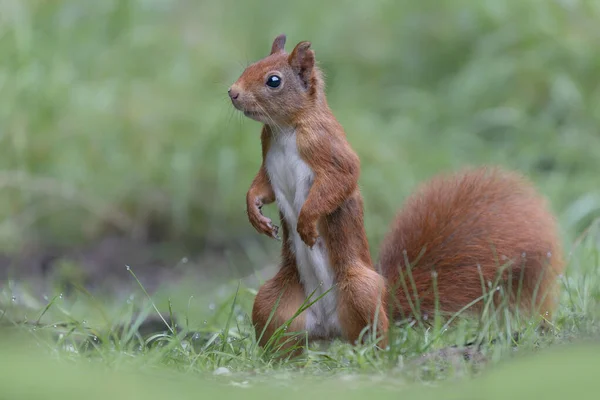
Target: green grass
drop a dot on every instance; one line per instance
(571, 371)
(115, 117)
(77, 344)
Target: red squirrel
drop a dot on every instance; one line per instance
(460, 229)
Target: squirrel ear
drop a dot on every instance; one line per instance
(302, 61)
(278, 44)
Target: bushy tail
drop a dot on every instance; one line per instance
(464, 234)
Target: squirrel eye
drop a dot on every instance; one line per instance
(273, 81)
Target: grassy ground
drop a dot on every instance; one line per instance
(115, 119)
(169, 343)
(559, 374)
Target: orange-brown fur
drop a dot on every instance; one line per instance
(285, 286)
(470, 227)
(261, 193)
(334, 202)
(457, 219)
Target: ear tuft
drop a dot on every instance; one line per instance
(278, 44)
(302, 61)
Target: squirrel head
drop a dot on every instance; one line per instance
(277, 88)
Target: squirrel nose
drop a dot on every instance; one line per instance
(234, 94)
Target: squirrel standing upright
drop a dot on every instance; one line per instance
(457, 231)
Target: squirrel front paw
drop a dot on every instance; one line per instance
(307, 231)
(262, 224)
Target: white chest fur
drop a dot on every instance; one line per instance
(291, 179)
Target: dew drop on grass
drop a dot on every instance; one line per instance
(205, 322)
(60, 296)
(184, 260)
(127, 268)
(196, 335)
(14, 299)
(212, 306)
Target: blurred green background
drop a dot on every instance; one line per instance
(569, 372)
(116, 121)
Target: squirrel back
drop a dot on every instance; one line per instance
(481, 227)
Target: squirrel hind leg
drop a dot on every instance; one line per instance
(361, 303)
(285, 286)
